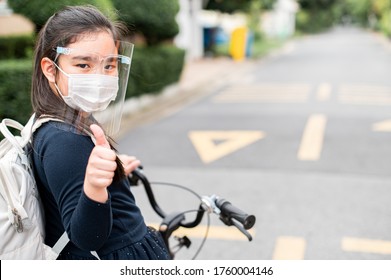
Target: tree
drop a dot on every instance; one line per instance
(316, 4)
(316, 15)
(227, 6)
(359, 10)
(38, 11)
(381, 10)
(155, 20)
(231, 6)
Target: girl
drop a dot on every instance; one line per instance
(80, 68)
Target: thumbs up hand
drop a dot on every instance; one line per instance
(100, 168)
(100, 138)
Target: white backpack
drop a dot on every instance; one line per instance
(21, 213)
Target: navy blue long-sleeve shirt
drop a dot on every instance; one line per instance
(60, 157)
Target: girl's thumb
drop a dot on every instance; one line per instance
(100, 138)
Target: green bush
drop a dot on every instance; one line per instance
(153, 68)
(154, 19)
(15, 84)
(18, 46)
(385, 23)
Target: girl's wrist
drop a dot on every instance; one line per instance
(96, 194)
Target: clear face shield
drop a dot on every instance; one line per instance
(94, 86)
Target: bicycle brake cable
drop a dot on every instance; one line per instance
(189, 211)
(177, 186)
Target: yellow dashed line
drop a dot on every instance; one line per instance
(324, 91)
(312, 141)
(365, 95)
(352, 244)
(265, 93)
(289, 248)
(383, 126)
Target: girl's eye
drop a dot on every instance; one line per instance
(110, 67)
(82, 66)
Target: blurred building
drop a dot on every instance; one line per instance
(13, 24)
(4, 9)
(190, 35)
(280, 22)
(197, 25)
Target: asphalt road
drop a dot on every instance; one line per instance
(301, 139)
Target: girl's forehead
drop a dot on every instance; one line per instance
(101, 43)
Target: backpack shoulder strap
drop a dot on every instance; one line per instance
(25, 131)
(17, 143)
(61, 243)
(34, 123)
(43, 119)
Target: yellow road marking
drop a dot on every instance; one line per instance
(364, 89)
(215, 232)
(324, 91)
(246, 97)
(265, 93)
(352, 244)
(312, 141)
(366, 100)
(289, 248)
(365, 94)
(382, 126)
(232, 141)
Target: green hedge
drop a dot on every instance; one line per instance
(152, 69)
(20, 46)
(15, 83)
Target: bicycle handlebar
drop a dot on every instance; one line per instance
(230, 211)
(229, 214)
(139, 175)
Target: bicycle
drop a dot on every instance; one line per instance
(228, 214)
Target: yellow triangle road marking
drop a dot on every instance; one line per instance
(382, 126)
(228, 142)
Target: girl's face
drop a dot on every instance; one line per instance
(91, 54)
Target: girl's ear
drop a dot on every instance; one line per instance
(48, 69)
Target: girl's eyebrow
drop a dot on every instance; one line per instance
(93, 58)
(83, 57)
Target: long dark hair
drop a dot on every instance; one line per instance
(63, 28)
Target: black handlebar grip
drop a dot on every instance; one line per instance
(229, 210)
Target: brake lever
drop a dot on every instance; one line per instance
(241, 228)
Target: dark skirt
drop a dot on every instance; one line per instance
(151, 247)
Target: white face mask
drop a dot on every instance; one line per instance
(89, 92)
